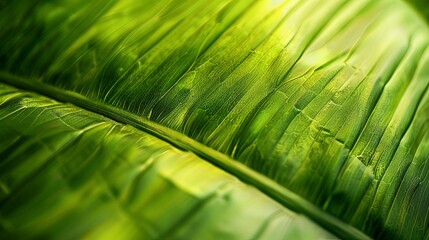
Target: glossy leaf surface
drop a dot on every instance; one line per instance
(328, 99)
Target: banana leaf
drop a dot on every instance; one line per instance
(68, 173)
(158, 119)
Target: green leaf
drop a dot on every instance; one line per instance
(321, 105)
(67, 173)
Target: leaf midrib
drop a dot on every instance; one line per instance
(274, 190)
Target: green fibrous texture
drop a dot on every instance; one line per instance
(136, 118)
(67, 173)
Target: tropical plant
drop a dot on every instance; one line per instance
(223, 119)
